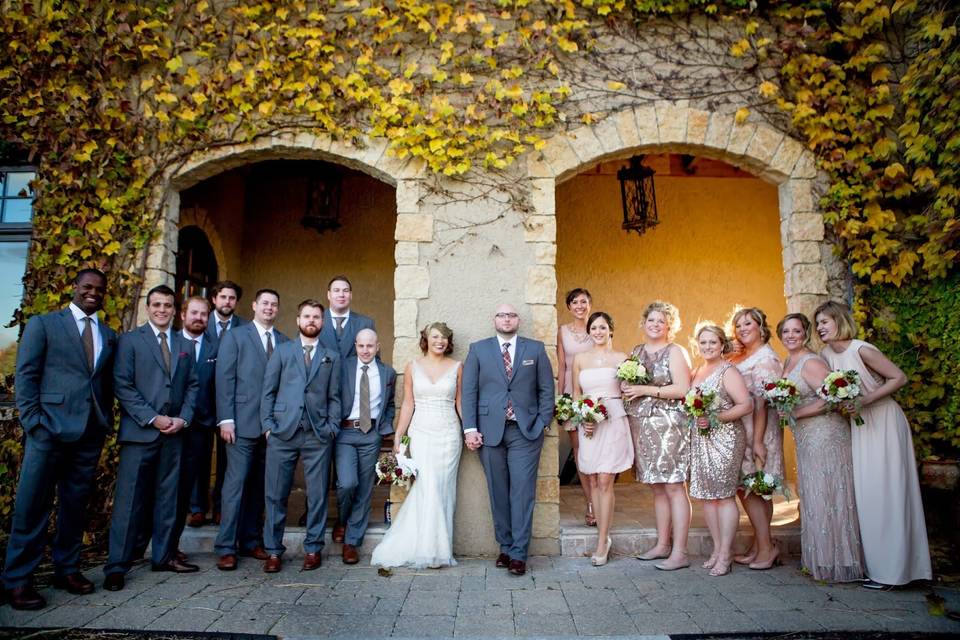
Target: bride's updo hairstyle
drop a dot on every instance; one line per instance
(444, 330)
(600, 314)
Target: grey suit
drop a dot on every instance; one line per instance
(149, 469)
(66, 410)
(511, 449)
(241, 362)
(300, 409)
(357, 452)
(345, 345)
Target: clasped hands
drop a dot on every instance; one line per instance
(167, 425)
(473, 440)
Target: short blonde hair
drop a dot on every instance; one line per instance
(757, 316)
(716, 330)
(841, 315)
(804, 322)
(670, 314)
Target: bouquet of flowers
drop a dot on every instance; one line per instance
(632, 372)
(586, 409)
(783, 396)
(699, 403)
(842, 390)
(397, 469)
(763, 484)
(563, 408)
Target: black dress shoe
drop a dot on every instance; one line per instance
(517, 567)
(113, 582)
(74, 583)
(175, 566)
(503, 561)
(180, 556)
(25, 598)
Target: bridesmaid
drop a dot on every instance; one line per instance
(829, 532)
(572, 338)
(606, 448)
(884, 468)
(661, 436)
(759, 364)
(715, 458)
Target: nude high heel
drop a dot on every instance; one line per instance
(599, 561)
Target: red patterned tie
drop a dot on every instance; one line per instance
(508, 366)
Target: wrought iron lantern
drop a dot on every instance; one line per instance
(322, 209)
(638, 196)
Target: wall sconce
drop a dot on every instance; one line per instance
(638, 196)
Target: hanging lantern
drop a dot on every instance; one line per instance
(638, 196)
(322, 210)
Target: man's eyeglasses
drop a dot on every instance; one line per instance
(504, 316)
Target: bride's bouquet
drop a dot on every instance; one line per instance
(590, 411)
(699, 403)
(632, 372)
(783, 396)
(397, 468)
(563, 408)
(842, 390)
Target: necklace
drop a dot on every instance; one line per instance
(581, 337)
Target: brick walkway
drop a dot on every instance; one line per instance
(558, 597)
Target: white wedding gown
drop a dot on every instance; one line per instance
(421, 534)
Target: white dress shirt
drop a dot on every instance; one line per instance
(373, 373)
(78, 316)
(346, 319)
(262, 331)
(216, 323)
(197, 347)
(168, 334)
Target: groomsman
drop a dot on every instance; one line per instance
(196, 440)
(367, 397)
(300, 412)
(156, 384)
(241, 362)
(64, 393)
(225, 296)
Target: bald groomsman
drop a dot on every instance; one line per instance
(367, 398)
(64, 392)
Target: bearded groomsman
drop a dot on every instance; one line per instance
(225, 296)
(64, 393)
(156, 384)
(367, 398)
(300, 412)
(241, 362)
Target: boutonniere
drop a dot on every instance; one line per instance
(183, 354)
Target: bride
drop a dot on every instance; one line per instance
(422, 532)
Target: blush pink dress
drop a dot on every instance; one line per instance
(610, 450)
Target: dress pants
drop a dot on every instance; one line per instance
(49, 465)
(356, 456)
(148, 479)
(197, 458)
(282, 456)
(241, 523)
(217, 492)
(511, 470)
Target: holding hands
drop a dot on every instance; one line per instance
(473, 440)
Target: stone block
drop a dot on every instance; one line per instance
(411, 281)
(627, 128)
(786, 156)
(544, 321)
(537, 167)
(559, 155)
(546, 520)
(408, 196)
(544, 547)
(805, 227)
(740, 137)
(373, 150)
(805, 252)
(697, 123)
(548, 490)
(549, 457)
(543, 196)
(806, 167)
(540, 229)
(405, 349)
(608, 134)
(764, 145)
(414, 227)
(541, 285)
(407, 253)
(405, 318)
(809, 279)
(391, 165)
(718, 131)
(796, 196)
(672, 123)
(647, 129)
(585, 144)
(545, 253)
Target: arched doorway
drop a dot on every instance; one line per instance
(196, 264)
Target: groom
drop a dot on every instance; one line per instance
(508, 401)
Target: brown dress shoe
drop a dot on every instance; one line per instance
(273, 564)
(180, 556)
(517, 567)
(311, 561)
(25, 598)
(227, 562)
(338, 532)
(196, 519)
(257, 552)
(113, 582)
(175, 566)
(350, 555)
(503, 561)
(74, 583)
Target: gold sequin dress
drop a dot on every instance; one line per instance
(661, 436)
(715, 458)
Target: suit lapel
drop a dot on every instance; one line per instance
(73, 333)
(254, 336)
(498, 356)
(383, 389)
(180, 345)
(518, 354)
(153, 344)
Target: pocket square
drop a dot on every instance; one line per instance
(326, 360)
(527, 362)
(211, 360)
